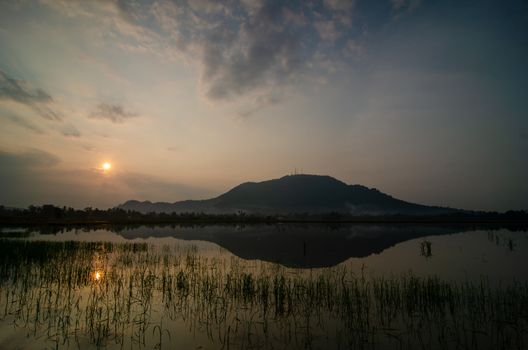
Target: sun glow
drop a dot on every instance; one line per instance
(106, 166)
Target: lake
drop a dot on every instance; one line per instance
(264, 286)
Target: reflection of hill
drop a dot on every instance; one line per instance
(307, 246)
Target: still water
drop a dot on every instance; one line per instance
(262, 286)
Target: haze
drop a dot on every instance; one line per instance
(424, 100)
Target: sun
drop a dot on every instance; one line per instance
(107, 166)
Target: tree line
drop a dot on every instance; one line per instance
(63, 215)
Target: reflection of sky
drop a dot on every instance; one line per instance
(469, 255)
(425, 100)
(102, 235)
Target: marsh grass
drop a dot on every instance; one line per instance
(74, 294)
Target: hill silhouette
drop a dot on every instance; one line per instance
(294, 194)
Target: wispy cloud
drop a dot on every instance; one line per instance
(259, 103)
(23, 92)
(22, 122)
(70, 131)
(112, 112)
(403, 6)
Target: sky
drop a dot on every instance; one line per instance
(424, 100)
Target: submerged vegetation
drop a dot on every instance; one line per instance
(426, 248)
(73, 294)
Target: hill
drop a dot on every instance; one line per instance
(294, 194)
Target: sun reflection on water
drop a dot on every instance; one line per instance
(97, 275)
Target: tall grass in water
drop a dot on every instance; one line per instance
(132, 295)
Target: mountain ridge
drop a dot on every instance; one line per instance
(290, 194)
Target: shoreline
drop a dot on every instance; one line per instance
(256, 221)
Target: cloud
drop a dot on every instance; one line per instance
(354, 50)
(31, 158)
(112, 112)
(400, 6)
(252, 48)
(259, 103)
(70, 131)
(327, 30)
(23, 92)
(242, 48)
(15, 119)
(20, 91)
(263, 51)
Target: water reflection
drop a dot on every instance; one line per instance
(98, 275)
(169, 298)
(500, 240)
(302, 246)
